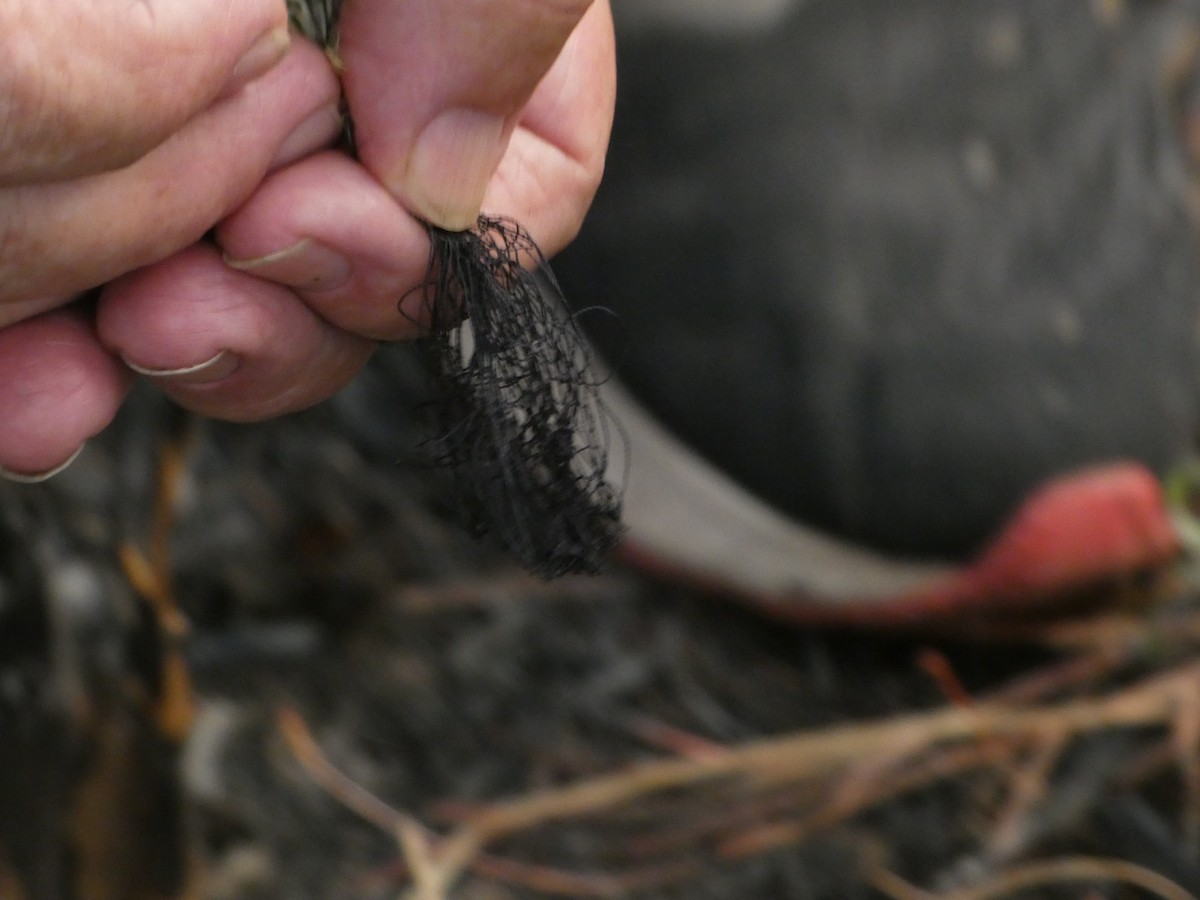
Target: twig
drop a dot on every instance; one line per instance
(558, 882)
(895, 887)
(362, 802)
(1029, 789)
(1185, 739)
(1071, 869)
(430, 863)
(433, 868)
(149, 573)
(1115, 634)
(546, 880)
(415, 849)
(1152, 702)
(663, 736)
(846, 802)
(775, 761)
(935, 664)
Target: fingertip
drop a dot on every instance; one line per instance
(58, 388)
(38, 477)
(445, 178)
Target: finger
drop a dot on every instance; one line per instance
(60, 239)
(58, 387)
(437, 86)
(88, 87)
(549, 176)
(328, 230)
(223, 343)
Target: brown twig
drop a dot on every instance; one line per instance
(149, 573)
(430, 863)
(432, 868)
(1153, 702)
(1030, 783)
(892, 885)
(935, 664)
(855, 796)
(1185, 739)
(664, 736)
(1040, 874)
(1119, 634)
(547, 880)
(559, 882)
(726, 818)
(345, 790)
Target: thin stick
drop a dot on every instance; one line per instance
(362, 802)
(895, 887)
(1185, 738)
(1156, 701)
(844, 804)
(1072, 869)
(1152, 702)
(1029, 787)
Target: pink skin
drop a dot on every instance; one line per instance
(56, 378)
(63, 237)
(233, 340)
(265, 336)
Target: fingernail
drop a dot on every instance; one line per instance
(306, 265)
(35, 477)
(450, 167)
(214, 369)
(314, 133)
(262, 56)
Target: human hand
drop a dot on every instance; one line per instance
(126, 137)
(458, 105)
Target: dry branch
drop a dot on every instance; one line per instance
(1155, 702)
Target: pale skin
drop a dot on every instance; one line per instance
(130, 130)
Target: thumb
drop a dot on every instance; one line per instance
(436, 88)
(90, 87)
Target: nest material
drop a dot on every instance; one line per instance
(522, 431)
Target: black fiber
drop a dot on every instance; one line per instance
(522, 433)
